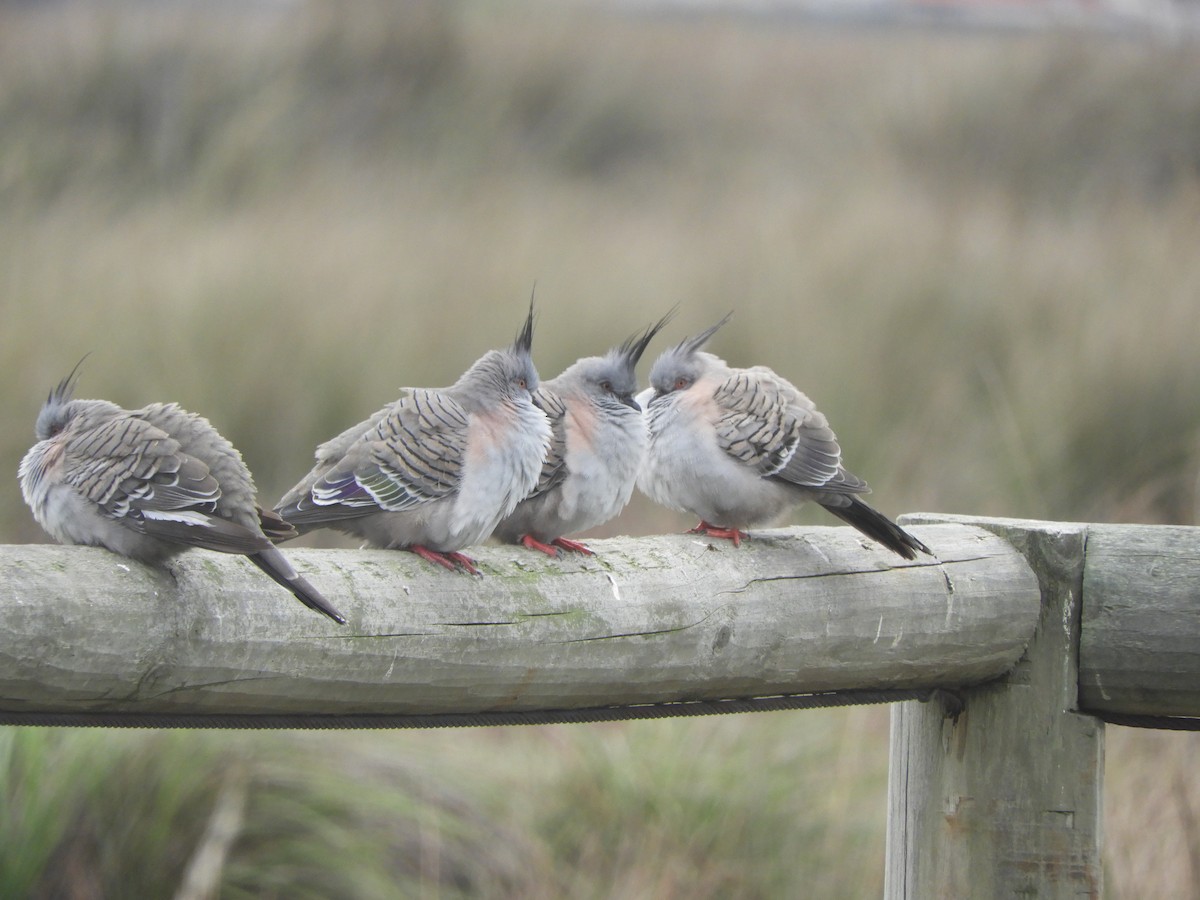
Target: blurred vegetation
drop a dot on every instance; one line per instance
(976, 252)
(604, 811)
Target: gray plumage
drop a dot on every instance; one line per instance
(150, 483)
(740, 447)
(598, 438)
(436, 470)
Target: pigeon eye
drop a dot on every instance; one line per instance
(55, 426)
(521, 383)
(681, 383)
(606, 386)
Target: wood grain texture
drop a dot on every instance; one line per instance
(1140, 646)
(649, 620)
(1002, 797)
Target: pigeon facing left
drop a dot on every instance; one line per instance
(148, 484)
(599, 436)
(739, 447)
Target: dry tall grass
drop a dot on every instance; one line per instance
(977, 253)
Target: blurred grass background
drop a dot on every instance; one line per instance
(976, 252)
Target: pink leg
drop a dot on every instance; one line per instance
(573, 546)
(534, 544)
(729, 534)
(451, 561)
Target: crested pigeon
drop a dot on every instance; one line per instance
(739, 447)
(436, 470)
(599, 436)
(148, 484)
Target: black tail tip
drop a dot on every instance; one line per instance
(879, 528)
(898, 541)
(335, 615)
(273, 563)
(309, 596)
(908, 546)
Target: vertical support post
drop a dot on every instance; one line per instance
(1002, 796)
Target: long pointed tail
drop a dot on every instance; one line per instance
(878, 527)
(277, 566)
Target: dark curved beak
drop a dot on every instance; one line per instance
(628, 400)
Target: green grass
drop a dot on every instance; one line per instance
(975, 252)
(754, 808)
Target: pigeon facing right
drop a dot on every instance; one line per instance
(739, 447)
(593, 462)
(435, 471)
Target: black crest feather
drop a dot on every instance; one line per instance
(692, 344)
(524, 341)
(66, 388)
(634, 346)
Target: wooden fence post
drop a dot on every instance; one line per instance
(1001, 796)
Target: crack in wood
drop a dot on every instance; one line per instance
(799, 576)
(476, 624)
(191, 686)
(385, 634)
(940, 565)
(629, 634)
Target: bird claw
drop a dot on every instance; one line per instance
(452, 561)
(729, 534)
(573, 546)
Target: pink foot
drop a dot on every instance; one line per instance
(729, 534)
(451, 561)
(534, 544)
(573, 546)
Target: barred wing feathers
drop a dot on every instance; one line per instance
(411, 453)
(554, 466)
(768, 424)
(138, 475)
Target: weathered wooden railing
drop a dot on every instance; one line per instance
(1021, 636)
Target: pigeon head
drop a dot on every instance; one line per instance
(612, 378)
(680, 367)
(59, 408)
(502, 375)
